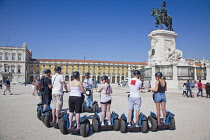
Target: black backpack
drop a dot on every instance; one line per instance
(42, 85)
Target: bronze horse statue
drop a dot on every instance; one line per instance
(167, 20)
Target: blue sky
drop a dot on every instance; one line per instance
(109, 30)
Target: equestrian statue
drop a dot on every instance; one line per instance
(162, 17)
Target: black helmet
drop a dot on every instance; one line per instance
(75, 74)
(87, 74)
(57, 68)
(136, 73)
(47, 71)
(158, 74)
(104, 78)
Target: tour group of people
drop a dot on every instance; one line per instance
(52, 94)
(189, 87)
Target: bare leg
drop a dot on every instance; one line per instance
(77, 119)
(70, 119)
(137, 116)
(108, 112)
(53, 115)
(129, 115)
(158, 112)
(103, 108)
(57, 115)
(45, 106)
(163, 107)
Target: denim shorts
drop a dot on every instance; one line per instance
(159, 97)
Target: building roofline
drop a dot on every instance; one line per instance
(89, 61)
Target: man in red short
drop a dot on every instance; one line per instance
(200, 89)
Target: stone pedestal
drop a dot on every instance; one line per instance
(163, 53)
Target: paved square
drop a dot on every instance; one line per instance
(18, 117)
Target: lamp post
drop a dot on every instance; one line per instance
(25, 73)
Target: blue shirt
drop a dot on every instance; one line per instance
(7, 82)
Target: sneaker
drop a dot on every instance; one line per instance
(102, 124)
(109, 123)
(5, 94)
(11, 94)
(137, 125)
(130, 124)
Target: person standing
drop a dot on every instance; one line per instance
(134, 98)
(106, 100)
(57, 94)
(200, 89)
(7, 84)
(1, 84)
(159, 96)
(76, 98)
(188, 86)
(46, 88)
(33, 86)
(207, 89)
(88, 82)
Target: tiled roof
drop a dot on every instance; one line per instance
(89, 61)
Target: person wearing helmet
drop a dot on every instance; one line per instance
(46, 88)
(57, 93)
(88, 84)
(76, 99)
(106, 99)
(159, 96)
(134, 98)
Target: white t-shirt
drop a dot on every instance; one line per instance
(90, 81)
(134, 86)
(105, 97)
(57, 80)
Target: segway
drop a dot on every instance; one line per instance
(87, 105)
(39, 110)
(47, 117)
(169, 123)
(142, 123)
(63, 125)
(115, 122)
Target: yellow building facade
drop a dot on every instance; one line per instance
(116, 71)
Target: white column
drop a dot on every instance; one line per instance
(175, 78)
(153, 76)
(129, 74)
(195, 74)
(110, 79)
(116, 79)
(208, 73)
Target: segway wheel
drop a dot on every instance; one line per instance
(95, 123)
(144, 128)
(172, 124)
(122, 126)
(116, 126)
(39, 114)
(85, 128)
(95, 108)
(62, 126)
(152, 123)
(47, 120)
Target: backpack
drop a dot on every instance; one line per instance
(42, 85)
(108, 90)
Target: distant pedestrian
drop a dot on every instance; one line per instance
(37, 85)
(200, 89)
(207, 89)
(7, 85)
(184, 90)
(33, 87)
(1, 84)
(188, 86)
